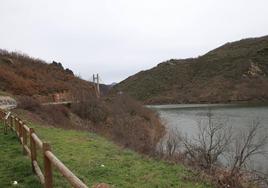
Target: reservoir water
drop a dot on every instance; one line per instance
(186, 119)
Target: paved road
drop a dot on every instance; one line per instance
(57, 103)
(7, 103)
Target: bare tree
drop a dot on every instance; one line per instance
(160, 148)
(211, 141)
(169, 144)
(246, 145)
(173, 142)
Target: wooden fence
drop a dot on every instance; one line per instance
(30, 143)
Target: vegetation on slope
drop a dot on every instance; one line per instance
(234, 72)
(119, 118)
(21, 74)
(94, 160)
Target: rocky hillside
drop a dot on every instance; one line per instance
(24, 75)
(233, 72)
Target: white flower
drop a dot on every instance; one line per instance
(15, 183)
(102, 165)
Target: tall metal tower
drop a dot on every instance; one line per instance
(96, 81)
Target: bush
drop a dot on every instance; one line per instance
(90, 110)
(133, 125)
(28, 103)
(57, 115)
(122, 119)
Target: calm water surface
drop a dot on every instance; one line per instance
(187, 117)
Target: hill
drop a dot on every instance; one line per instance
(234, 72)
(21, 74)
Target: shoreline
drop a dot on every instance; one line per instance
(203, 105)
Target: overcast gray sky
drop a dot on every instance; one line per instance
(118, 38)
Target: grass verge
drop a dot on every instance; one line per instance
(13, 165)
(93, 159)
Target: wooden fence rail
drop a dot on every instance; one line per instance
(30, 143)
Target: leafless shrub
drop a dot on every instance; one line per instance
(209, 149)
(133, 125)
(169, 145)
(216, 140)
(173, 142)
(260, 177)
(89, 107)
(90, 110)
(160, 148)
(57, 115)
(210, 143)
(28, 103)
(247, 144)
(122, 119)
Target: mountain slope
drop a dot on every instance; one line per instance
(24, 75)
(233, 72)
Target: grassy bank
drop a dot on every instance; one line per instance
(93, 159)
(13, 165)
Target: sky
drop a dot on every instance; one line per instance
(118, 38)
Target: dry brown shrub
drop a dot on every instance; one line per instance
(30, 76)
(28, 103)
(133, 125)
(57, 115)
(122, 119)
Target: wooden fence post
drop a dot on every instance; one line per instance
(32, 148)
(20, 131)
(14, 123)
(5, 126)
(47, 166)
(17, 126)
(11, 122)
(24, 139)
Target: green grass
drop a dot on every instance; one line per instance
(13, 165)
(85, 153)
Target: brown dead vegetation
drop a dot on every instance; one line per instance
(122, 119)
(119, 118)
(21, 74)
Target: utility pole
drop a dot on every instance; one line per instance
(96, 81)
